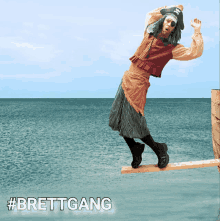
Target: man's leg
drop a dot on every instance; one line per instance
(136, 150)
(160, 149)
(130, 141)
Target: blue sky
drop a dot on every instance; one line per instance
(81, 49)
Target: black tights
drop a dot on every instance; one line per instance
(130, 141)
(147, 140)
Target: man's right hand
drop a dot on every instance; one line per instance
(196, 24)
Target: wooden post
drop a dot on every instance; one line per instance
(215, 118)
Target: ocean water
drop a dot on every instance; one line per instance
(65, 148)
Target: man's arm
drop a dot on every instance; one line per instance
(183, 53)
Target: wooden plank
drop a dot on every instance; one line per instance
(172, 166)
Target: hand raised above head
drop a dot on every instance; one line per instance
(196, 24)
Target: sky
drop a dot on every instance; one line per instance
(81, 49)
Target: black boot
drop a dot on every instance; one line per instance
(136, 149)
(160, 149)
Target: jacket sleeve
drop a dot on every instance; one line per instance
(155, 15)
(184, 54)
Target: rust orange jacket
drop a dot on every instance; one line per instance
(150, 59)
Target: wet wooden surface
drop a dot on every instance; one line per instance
(171, 166)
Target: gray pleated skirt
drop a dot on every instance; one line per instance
(124, 118)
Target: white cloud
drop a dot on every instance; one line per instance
(207, 39)
(116, 50)
(42, 27)
(101, 72)
(186, 40)
(25, 45)
(59, 69)
(181, 73)
(122, 50)
(181, 68)
(28, 24)
(77, 20)
(210, 42)
(213, 23)
(26, 52)
(119, 49)
(5, 42)
(183, 64)
(31, 75)
(42, 35)
(26, 32)
(208, 18)
(80, 39)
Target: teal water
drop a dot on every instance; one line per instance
(65, 148)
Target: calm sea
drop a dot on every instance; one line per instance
(65, 148)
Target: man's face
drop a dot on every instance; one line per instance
(167, 28)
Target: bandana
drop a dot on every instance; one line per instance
(172, 16)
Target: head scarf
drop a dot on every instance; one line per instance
(172, 16)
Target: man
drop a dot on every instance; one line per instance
(162, 32)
